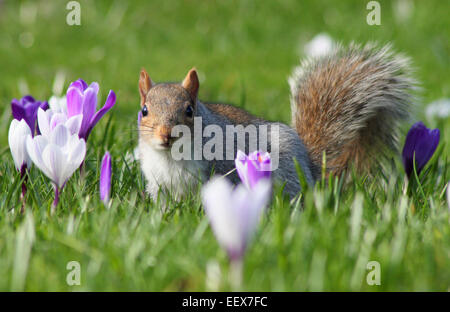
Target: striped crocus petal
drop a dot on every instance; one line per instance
(420, 144)
(252, 168)
(105, 179)
(110, 101)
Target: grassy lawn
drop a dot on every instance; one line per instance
(244, 52)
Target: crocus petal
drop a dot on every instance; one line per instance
(216, 196)
(74, 100)
(55, 162)
(253, 174)
(260, 196)
(105, 178)
(241, 167)
(59, 136)
(58, 104)
(44, 118)
(80, 84)
(74, 124)
(110, 101)
(89, 107)
(18, 111)
(27, 99)
(234, 214)
(77, 151)
(83, 83)
(58, 118)
(35, 149)
(76, 154)
(249, 204)
(425, 148)
(94, 86)
(44, 105)
(253, 168)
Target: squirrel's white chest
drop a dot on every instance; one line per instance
(166, 174)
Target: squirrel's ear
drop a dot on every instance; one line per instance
(191, 84)
(144, 85)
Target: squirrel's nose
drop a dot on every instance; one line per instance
(166, 138)
(164, 134)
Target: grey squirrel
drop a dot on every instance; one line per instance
(346, 104)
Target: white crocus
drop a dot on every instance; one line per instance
(17, 135)
(58, 104)
(234, 212)
(320, 45)
(57, 154)
(439, 109)
(49, 119)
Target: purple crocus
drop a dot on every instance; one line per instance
(420, 144)
(82, 99)
(26, 108)
(105, 179)
(252, 168)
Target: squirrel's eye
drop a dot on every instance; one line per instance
(144, 111)
(189, 111)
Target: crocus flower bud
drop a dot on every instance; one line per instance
(105, 179)
(17, 135)
(252, 168)
(420, 144)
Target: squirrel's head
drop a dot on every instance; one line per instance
(166, 105)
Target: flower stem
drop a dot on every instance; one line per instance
(24, 176)
(82, 171)
(56, 201)
(235, 274)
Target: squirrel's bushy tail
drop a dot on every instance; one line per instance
(349, 104)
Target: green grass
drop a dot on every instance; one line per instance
(244, 51)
